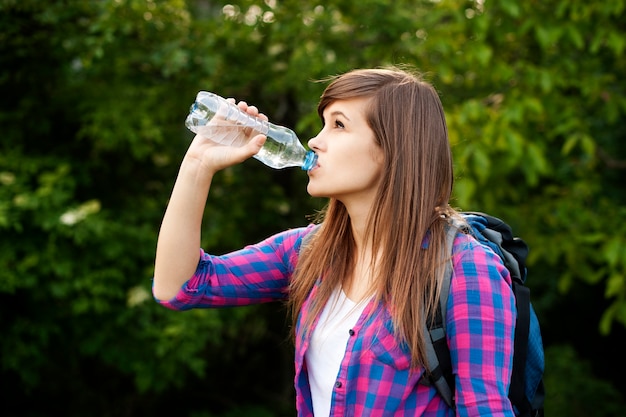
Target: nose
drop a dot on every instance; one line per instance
(314, 143)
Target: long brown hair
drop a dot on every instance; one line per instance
(408, 122)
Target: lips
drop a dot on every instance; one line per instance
(316, 166)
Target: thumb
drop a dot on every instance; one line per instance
(250, 149)
(255, 144)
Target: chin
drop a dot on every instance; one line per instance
(313, 192)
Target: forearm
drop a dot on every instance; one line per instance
(178, 245)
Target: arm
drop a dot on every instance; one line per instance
(481, 325)
(255, 274)
(178, 245)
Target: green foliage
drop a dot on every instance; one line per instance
(574, 390)
(94, 95)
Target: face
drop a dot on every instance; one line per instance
(349, 160)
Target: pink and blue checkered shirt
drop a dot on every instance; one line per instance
(374, 378)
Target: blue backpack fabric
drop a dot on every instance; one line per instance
(526, 391)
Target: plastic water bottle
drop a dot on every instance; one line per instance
(213, 117)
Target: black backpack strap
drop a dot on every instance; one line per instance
(517, 393)
(439, 370)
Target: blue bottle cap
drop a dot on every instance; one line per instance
(310, 159)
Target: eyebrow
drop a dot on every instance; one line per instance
(339, 113)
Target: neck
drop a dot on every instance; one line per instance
(359, 220)
(360, 283)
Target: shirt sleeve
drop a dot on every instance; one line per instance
(480, 323)
(255, 274)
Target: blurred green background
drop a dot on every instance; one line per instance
(93, 96)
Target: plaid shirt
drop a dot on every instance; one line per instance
(374, 378)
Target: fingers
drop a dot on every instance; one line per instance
(254, 111)
(251, 110)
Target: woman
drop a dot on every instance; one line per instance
(367, 277)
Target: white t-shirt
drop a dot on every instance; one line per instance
(328, 347)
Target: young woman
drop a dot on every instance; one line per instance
(361, 287)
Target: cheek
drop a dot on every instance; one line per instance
(367, 168)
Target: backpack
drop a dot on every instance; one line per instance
(526, 391)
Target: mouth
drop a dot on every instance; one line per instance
(315, 167)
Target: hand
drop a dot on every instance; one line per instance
(216, 156)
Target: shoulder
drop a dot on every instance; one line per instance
(306, 234)
(481, 292)
(477, 265)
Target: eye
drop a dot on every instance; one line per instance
(339, 124)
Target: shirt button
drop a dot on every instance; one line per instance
(351, 332)
(338, 384)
